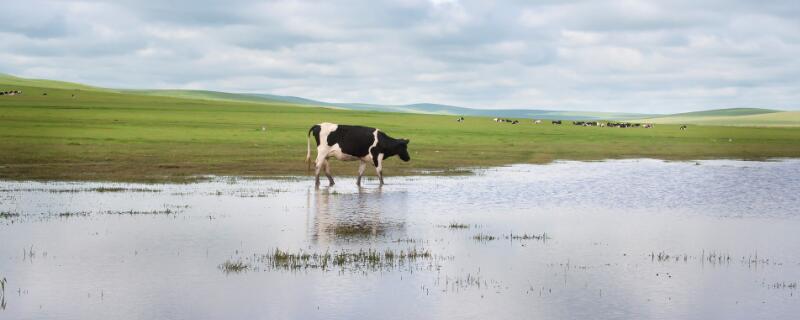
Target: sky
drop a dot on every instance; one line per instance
(623, 56)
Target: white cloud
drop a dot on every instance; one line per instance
(626, 55)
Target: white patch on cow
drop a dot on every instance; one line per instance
(323, 149)
(368, 157)
(336, 151)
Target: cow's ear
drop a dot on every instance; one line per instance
(405, 141)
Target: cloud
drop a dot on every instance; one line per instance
(620, 55)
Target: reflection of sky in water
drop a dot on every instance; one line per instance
(604, 219)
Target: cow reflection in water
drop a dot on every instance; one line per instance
(361, 215)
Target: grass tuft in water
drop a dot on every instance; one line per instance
(363, 259)
(456, 225)
(73, 214)
(358, 230)
(784, 285)
(483, 237)
(144, 212)
(3, 293)
(233, 266)
(8, 215)
(525, 236)
(120, 189)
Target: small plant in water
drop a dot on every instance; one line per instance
(3, 293)
(526, 236)
(365, 260)
(358, 230)
(456, 225)
(166, 210)
(8, 215)
(233, 266)
(784, 285)
(483, 237)
(73, 214)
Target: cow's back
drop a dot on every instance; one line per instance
(353, 140)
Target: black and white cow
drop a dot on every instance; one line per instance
(350, 143)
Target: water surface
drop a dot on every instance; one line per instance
(615, 239)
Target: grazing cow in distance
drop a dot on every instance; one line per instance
(505, 120)
(537, 121)
(556, 121)
(350, 143)
(683, 127)
(460, 119)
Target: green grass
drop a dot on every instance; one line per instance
(122, 136)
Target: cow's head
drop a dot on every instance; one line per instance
(402, 150)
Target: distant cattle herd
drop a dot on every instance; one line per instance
(10, 93)
(581, 123)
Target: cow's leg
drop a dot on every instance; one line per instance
(328, 172)
(318, 166)
(361, 168)
(379, 167)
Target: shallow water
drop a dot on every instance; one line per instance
(622, 239)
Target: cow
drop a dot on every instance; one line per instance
(556, 121)
(350, 143)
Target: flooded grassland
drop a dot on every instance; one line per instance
(614, 239)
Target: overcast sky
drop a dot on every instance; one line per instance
(633, 56)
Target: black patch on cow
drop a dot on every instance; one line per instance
(353, 140)
(390, 147)
(315, 129)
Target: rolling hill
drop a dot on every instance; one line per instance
(6, 79)
(731, 116)
(423, 108)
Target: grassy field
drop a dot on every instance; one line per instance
(107, 135)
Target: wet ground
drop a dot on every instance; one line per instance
(617, 239)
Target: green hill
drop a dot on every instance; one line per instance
(730, 116)
(9, 80)
(207, 95)
(752, 117)
(724, 112)
(422, 108)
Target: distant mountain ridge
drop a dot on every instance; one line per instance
(724, 112)
(424, 108)
(442, 109)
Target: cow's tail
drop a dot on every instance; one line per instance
(308, 149)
